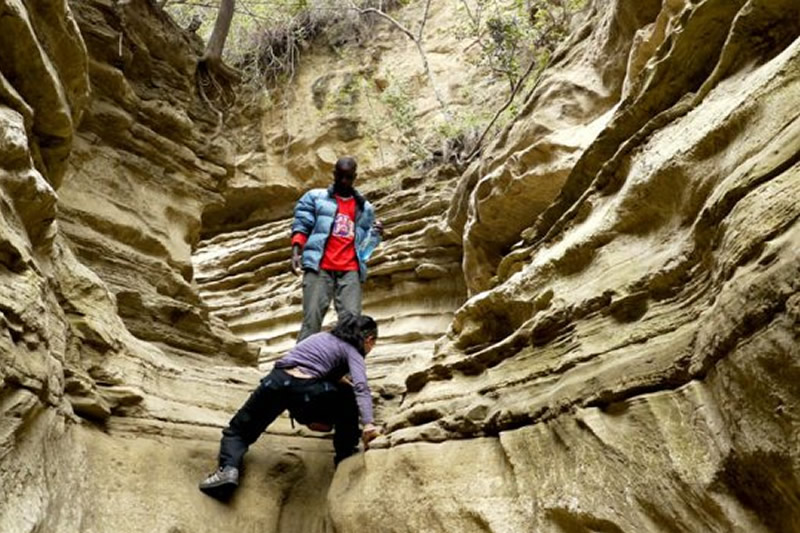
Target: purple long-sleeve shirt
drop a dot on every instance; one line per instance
(323, 355)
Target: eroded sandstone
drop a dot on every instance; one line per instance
(612, 357)
(593, 328)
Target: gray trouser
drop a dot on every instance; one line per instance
(319, 288)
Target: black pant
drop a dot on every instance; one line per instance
(308, 400)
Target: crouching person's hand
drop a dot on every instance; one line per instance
(369, 433)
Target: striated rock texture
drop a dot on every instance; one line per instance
(150, 137)
(414, 284)
(336, 105)
(594, 328)
(96, 423)
(43, 320)
(629, 358)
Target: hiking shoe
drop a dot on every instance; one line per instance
(222, 483)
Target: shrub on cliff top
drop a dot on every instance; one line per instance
(268, 37)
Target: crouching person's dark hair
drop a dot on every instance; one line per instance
(354, 329)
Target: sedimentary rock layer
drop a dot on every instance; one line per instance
(68, 363)
(145, 164)
(413, 288)
(633, 363)
(45, 322)
(627, 360)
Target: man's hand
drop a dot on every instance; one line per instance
(369, 433)
(378, 227)
(297, 260)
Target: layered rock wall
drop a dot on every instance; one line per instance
(336, 105)
(46, 322)
(593, 328)
(145, 165)
(69, 365)
(629, 361)
(414, 283)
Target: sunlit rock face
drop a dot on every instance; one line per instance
(593, 328)
(87, 408)
(629, 358)
(145, 164)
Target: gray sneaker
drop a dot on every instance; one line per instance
(221, 483)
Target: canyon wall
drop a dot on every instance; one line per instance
(628, 359)
(45, 320)
(593, 327)
(145, 164)
(115, 379)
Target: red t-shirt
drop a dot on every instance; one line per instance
(340, 252)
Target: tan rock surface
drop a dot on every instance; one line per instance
(627, 360)
(68, 363)
(39, 345)
(505, 192)
(414, 284)
(149, 135)
(637, 357)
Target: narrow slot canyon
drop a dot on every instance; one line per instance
(587, 291)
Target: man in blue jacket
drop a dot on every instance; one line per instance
(329, 227)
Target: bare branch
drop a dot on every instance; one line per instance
(424, 20)
(417, 42)
(244, 10)
(472, 17)
(520, 83)
(386, 17)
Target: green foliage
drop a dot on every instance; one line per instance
(402, 114)
(267, 37)
(514, 40)
(250, 17)
(464, 123)
(512, 33)
(402, 109)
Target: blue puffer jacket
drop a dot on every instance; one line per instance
(314, 214)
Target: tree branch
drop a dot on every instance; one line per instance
(517, 87)
(424, 20)
(417, 42)
(386, 17)
(472, 17)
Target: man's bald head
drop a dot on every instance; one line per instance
(345, 166)
(344, 175)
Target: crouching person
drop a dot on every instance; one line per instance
(312, 382)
